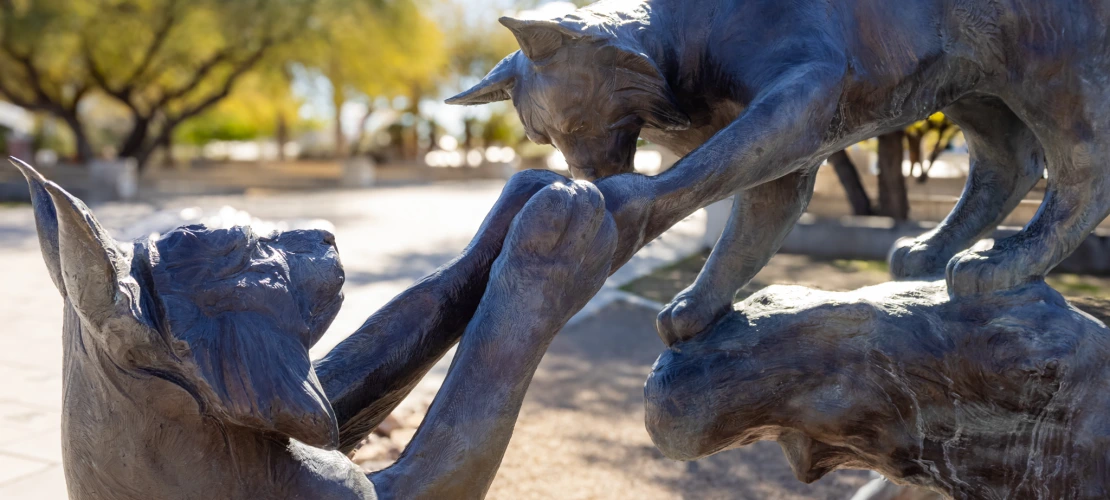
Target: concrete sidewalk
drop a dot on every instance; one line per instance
(581, 430)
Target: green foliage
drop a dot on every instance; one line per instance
(502, 128)
(372, 47)
(165, 61)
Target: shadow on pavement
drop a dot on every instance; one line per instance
(582, 429)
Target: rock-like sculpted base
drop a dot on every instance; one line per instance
(1000, 396)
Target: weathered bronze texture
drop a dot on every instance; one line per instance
(187, 372)
(758, 93)
(999, 396)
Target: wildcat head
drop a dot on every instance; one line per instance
(226, 315)
(576, 86)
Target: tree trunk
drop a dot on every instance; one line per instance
(133, 144)
(468, 133)
(80, 138)
(853, 188)
(933, 155)
(893, 200)
(340, 139)
(913, 144)
(167, 149)
(164, 137)
(281, 134)
(357, 148)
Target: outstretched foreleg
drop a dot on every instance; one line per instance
(556, 257)
(777, 138)
(761, 219)
(367, 375)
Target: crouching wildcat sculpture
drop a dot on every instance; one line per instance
(757, 93)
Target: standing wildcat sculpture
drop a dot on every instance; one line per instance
(757, 93)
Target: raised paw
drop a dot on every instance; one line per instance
(912, 258)
(690, 313)
(986, 271)
(559, 249)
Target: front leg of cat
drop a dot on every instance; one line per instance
(368, 374)
(761, 218)
(555, 258)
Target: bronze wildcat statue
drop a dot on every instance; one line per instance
(186, 367)
(757, 93)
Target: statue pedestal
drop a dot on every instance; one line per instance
(995, 396)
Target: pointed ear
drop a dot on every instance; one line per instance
(494, 87)
(539, 39)
(89, 261)
(46, 221)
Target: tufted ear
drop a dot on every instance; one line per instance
(494, 87)
(540, 39)
(82, 258)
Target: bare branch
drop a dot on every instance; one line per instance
(43, 100)
(160, 36)
(98, 76)
(198, 76)
(16, 99)
(204, 104)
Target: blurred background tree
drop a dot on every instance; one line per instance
(163, 61)
(372, 49)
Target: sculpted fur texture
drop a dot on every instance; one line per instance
(187, 371)
(757, 93)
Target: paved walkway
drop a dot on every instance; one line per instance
(387, 237)
(581, 432)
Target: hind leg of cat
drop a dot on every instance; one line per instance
(1076, 139)
(1006, 161)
